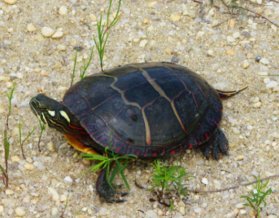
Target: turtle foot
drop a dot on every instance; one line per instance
(218, 144)
(107, 191)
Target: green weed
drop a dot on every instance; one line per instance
(256, 199)
(6, 139)
(42, 126)
(113, 163)
(169, 181)
(86, 64)
(104, 26)
(74, 69)
(23, 140)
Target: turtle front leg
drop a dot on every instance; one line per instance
(107, 191)
(217, 144)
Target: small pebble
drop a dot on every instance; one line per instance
(182, 210)
(239, 205)
(264, 61)
(271, 84)
(150, 214)
(28, 166)
(47, 31)
(239, 157)
(63, 198)
(54, 194)
(230, 39)
(93, 17)
(175, 17)
(258, 58)
(1, 209)
(10, 2)
(39, 165)
(31, 27)
(68, 179)
(143, 43)
(257, 105)
(15, 158)
(50, 146)
(103, 211)
(263, 73)
(210, 53)
(9, 192)
(54, 211)
(61, 47)
(236, 35)
(58, 34)
(204, 181)
(255, 99)
(245, 64)
(152, 4)
(231, 23)
(174, 59)
(63, 10)
(20, 211)
(197, 209)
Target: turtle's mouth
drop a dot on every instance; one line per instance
(37, 110)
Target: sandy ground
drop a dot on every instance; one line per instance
(220, 47)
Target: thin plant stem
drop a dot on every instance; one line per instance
(6, 139)
(87, 64)
(42, 129)
(21, 142)
(103, 30)
(74, 69)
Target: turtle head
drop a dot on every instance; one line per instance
(52, 112)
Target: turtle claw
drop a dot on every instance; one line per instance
(218, 144)
(107, 192)
(206, 151)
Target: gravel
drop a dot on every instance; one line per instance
(37, 41)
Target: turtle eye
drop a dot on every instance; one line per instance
(65, 116)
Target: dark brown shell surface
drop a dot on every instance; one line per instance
(146, 109)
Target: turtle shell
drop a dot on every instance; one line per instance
(146, 109)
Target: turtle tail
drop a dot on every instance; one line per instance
(227, 94)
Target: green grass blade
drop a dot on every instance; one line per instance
(6, 145)
(96, 157)
(74, 69)
(85, 67)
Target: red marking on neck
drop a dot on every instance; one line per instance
(206, 136)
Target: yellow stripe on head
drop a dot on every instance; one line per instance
(65, 116)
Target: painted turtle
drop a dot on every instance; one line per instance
(149, 110)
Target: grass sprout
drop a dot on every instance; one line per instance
(86, 64)
(6, 139)
(168, 181)
(23, 140)
(256, 199)
(42, 126)
(113, 163)
(74, 69)
(104, 25)
(84, 67)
